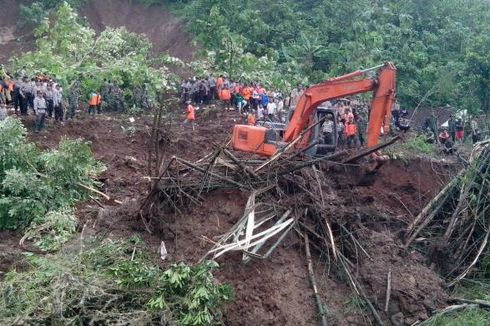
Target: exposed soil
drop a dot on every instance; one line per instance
(164, 31)
(275, 291)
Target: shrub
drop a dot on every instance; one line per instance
(111, 283)
(34, 183)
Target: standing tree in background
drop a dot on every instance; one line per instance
(68, 50)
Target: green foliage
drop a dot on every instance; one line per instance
(419, 145)
(467, 317)
(439, 46)
(68, 50)
(33, 183)
(37, 11)
(111, 282)
(50, 232)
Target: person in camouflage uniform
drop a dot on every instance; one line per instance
(107, 94)
(141, 97)
(118, 98)
(74, 95)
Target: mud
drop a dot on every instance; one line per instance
(275, 291)
(164, 31)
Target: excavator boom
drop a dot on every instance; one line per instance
(254, 139)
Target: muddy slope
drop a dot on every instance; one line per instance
(164, 30)
(275, 291)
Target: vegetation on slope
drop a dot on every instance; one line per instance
(106, 283)
(34, 183)
(440, 47)
(67, 50)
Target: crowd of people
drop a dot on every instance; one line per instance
(255, 104)
(246, 98)
(45, 97)
(41, 95)
(252, 101)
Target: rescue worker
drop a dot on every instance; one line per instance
(260, 113)
(294, 96)
(16, 98)
(459, 131)
(225, 96)
(247, 96)
(404, 122)
(444, 136)
(361, 128)
(451, 123)
(475, 131)
(49, 97)
(212, 88)
(40, 107)
(272, 110)
(431, 123)
(190, 115)
(264, 101)
(94, 103)
(58, 104)
(348, 115)
(251, 120)
(219, 84)
(73, 98)
(24, 92)
(445, 140)
(327, 130)
(340, 131)
(351, 133)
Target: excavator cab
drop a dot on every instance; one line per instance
(323, 138)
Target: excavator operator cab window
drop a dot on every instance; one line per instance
(324, 135)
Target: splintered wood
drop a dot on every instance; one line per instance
(285, 193)
(463, 209)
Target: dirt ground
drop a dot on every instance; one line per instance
(164, 31)
(275, 291)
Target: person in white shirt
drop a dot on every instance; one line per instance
(328, 131)
(40, 109)
(57, 103)
(272, 109)
(49, 97)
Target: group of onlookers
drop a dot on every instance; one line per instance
(246, 98)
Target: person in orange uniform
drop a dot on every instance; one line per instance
(351, 133)
(247, 94)
(190, 115)
(219, 84)
(94, 103)
(225, 96)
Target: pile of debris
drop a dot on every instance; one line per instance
(289, 195)
(454, 228)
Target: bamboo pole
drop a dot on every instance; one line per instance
(313, 282)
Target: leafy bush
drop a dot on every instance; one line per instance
(109, 283)
(419, 145)
(68, 50)
(37, 11)
(34, 183)
(50, 232)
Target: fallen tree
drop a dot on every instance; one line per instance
(285, 194)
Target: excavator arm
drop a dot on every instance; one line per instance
(254, 139)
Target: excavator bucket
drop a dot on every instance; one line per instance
(252, 139)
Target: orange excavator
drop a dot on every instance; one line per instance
(303, 128)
